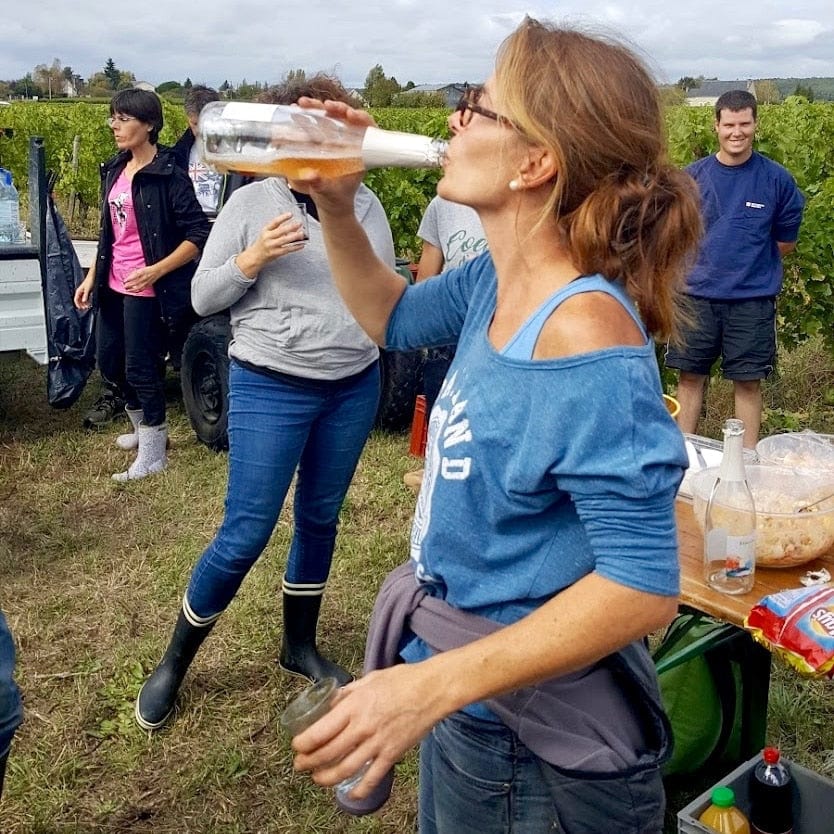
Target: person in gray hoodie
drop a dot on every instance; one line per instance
(304, 388)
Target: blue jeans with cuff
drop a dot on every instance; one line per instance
(278, 424)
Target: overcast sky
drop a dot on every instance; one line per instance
(424, 41)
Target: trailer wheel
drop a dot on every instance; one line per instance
(205, 380)
(402, 381)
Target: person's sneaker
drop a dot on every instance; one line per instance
(104, 410)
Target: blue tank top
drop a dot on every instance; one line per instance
(523, 343)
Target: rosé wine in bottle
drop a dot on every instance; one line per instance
(290, 141)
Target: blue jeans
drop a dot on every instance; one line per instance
(476, 777)
(11, 712)
(278, 424)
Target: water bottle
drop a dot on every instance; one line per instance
(289, 141)
(771, 795)
(730, 527)
(723, 815)
(9, 209)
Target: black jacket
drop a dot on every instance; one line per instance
(167, 213)
(231, 182)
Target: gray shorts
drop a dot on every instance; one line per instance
(741, 333)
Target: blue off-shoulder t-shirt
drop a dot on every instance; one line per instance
(537, 472)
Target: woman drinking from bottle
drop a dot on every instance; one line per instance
(543, 548)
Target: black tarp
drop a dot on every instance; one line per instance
(70, 333)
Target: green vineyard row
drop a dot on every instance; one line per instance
(796, 133)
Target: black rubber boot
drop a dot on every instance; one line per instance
(3, 759)
(157, 697)
(299, 655)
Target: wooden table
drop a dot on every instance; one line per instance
(753, 659)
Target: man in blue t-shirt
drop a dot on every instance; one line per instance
(752, 209)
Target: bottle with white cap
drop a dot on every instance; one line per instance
(290, 141)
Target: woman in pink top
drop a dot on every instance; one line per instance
(152, 229)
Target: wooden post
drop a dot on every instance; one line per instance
(76, 144)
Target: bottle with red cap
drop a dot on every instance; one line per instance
(771, 795)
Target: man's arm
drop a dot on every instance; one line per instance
(785, 248)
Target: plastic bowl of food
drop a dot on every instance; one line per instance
(785, 535)
(802, 449)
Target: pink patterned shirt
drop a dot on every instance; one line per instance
(127, 247)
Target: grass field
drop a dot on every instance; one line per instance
(91, 576)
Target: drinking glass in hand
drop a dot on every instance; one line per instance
(303, 711)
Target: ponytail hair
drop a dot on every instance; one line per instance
(642, 228)
(621, 208)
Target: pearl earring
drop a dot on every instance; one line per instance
(514, 185)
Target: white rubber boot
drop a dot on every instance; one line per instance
(151, 457)
(131, 440)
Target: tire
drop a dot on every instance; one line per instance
(205, 380)
(402, 381)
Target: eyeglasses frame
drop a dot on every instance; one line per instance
(465, 104)
(112, 121)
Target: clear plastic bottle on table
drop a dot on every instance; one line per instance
(730, 526)
(9, 209)
(289, 141)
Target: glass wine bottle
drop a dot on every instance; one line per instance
(730, 528)
(290, 141)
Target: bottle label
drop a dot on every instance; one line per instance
(248, 112)
(736, 552)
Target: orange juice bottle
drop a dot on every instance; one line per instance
(723, 816)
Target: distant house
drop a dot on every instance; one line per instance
(710, 91)
(451, 92)
(144, 85)
(69, 89)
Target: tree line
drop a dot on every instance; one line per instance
(56, 81)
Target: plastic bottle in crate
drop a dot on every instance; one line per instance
(771, 795)
(723, 815)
